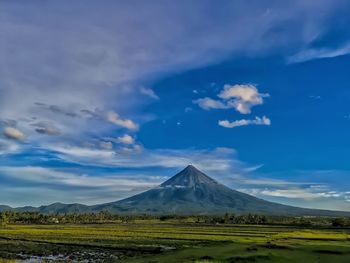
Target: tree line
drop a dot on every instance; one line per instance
(104, 217)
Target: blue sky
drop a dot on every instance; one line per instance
(99, 101)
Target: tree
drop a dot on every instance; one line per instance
(4, 220)
(339, 222)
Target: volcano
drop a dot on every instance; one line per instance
(193, 192)
(189, 192)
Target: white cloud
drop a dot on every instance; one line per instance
(242, 97)
(149, 92)
(239, 97)
(13, 133)
(126, 139)
(125, 123)
(257, 121)
(246, 93)
(131, 150)
(208, 103)
(106, 145)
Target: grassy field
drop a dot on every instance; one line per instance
(155, 241)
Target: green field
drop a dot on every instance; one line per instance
(155, 241)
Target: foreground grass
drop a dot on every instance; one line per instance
(166, 242)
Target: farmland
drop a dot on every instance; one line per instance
(158, 241)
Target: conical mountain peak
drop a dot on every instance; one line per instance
(191, 168)
(189, 177)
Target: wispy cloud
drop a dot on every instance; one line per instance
(89, 189)
(208, 103)
(301, 193)
(8, 147)
(313, 196)
(126, 139)
(106, 145)
(318, 53)
(149, 92)
(218, 159)
(52, 176)
(125, 123)
(244, 122)
(287, 193)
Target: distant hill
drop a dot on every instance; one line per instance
(188, 192)
(5, 208)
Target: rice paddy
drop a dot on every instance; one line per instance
(155, 241)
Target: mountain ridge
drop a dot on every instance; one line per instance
(188, 192)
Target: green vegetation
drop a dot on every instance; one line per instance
(4, 220)
(104, 217)
(111, 238)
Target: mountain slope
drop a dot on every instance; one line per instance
(188, 192)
